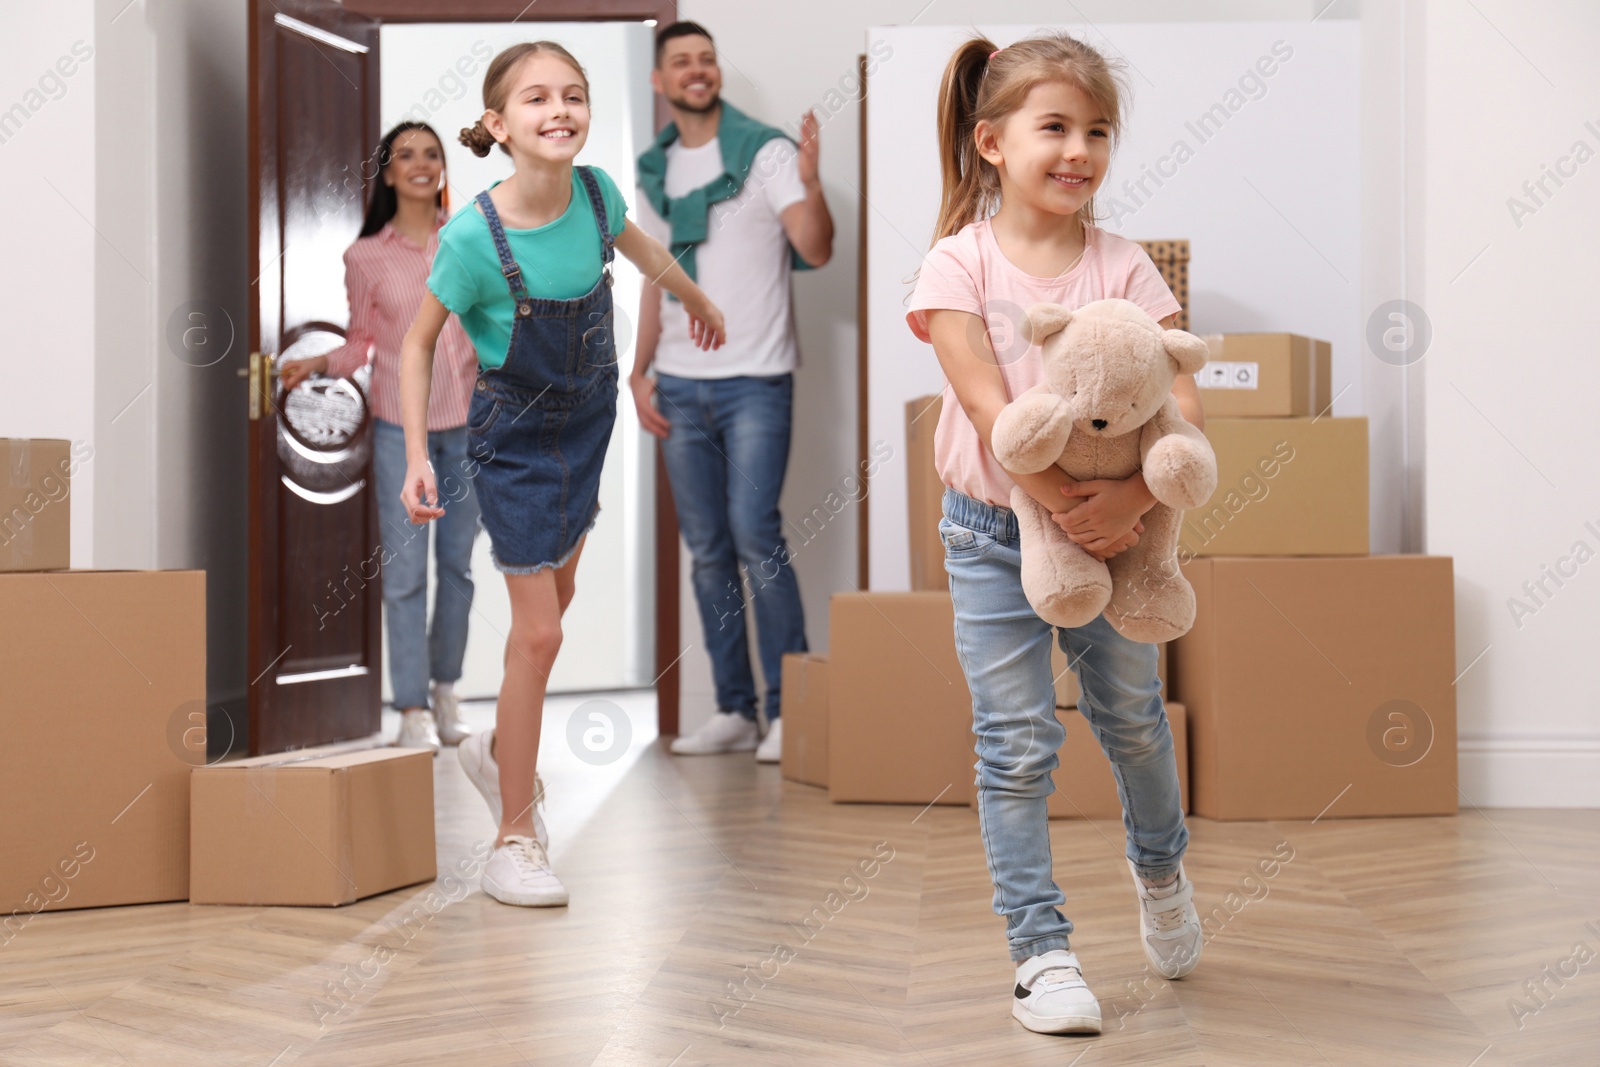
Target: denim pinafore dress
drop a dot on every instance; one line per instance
(539, 424)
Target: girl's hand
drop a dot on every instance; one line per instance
(1121, 544)
(420, 495)
(706, 327)
(296, 371)
(1111, 508)
(653, 421)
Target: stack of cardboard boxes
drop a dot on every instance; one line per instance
(102, 710)
(1318, 679)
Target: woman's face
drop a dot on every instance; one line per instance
(546, 114)
(1053, 151)
(416, 166)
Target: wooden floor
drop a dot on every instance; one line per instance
(1381, 942)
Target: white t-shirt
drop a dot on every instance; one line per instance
(743, 264)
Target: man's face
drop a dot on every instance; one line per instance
(688, 75)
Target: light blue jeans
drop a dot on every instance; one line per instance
(1004, 649)
(726, 457)
(416, 652)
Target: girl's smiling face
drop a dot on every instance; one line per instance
(546, 115)
(1053, 151)
(416, 165)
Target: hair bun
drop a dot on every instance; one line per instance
(478, 138)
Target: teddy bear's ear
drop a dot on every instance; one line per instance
(1186, 350)
(1043, 321)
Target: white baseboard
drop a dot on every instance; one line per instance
(1530, 770)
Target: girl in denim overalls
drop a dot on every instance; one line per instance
(541, 417)
(1025, 135)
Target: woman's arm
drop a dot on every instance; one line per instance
(420, 494)
(356, 350)
(660, 269)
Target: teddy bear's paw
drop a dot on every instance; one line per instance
(1077, 606)
(1181, 472)
(1163, 611)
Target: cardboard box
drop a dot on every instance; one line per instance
(35, 504)
(1285, 487)
(1085, 786)
(312, 827)
(1067, 679)
(805, 718)
(1266, 375)
(924, 496)
(103, 712)
(1321, 687)
(899, 712)
(1172, 260)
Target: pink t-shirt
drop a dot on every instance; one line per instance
(967, 272)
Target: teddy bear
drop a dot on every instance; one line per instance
(1105, 410)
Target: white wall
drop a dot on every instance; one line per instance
(47, 281)
(1259, 172)
(132, 213)
(1512, 371)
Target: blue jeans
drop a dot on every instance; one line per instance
(1004, 649)
(417, 653)
(726, 456)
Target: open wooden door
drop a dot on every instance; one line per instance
(314, 594)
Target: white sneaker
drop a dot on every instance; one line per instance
(417, 730)
(728, 731)
(476, 756)
(1051, 996)
(771, 748)
(447, 712)
(1169, 925)
(519, 873)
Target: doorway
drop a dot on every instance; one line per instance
(317, 108)
(433, 73)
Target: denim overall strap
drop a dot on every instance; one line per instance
(508, 262)
(592, 186)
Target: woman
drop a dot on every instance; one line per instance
(385, 273)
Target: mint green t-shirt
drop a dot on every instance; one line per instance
(560, 260)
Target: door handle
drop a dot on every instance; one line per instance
(260, 383)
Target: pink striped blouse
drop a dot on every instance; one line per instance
(386, 276)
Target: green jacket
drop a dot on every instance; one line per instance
(739, 136)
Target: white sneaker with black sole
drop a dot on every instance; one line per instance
(477, 760)
(418, 731)
(1051, 996)
(727, 731)
(1169, 925)
(771, 748)
(519, 873)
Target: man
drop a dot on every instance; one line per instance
(740, 205)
